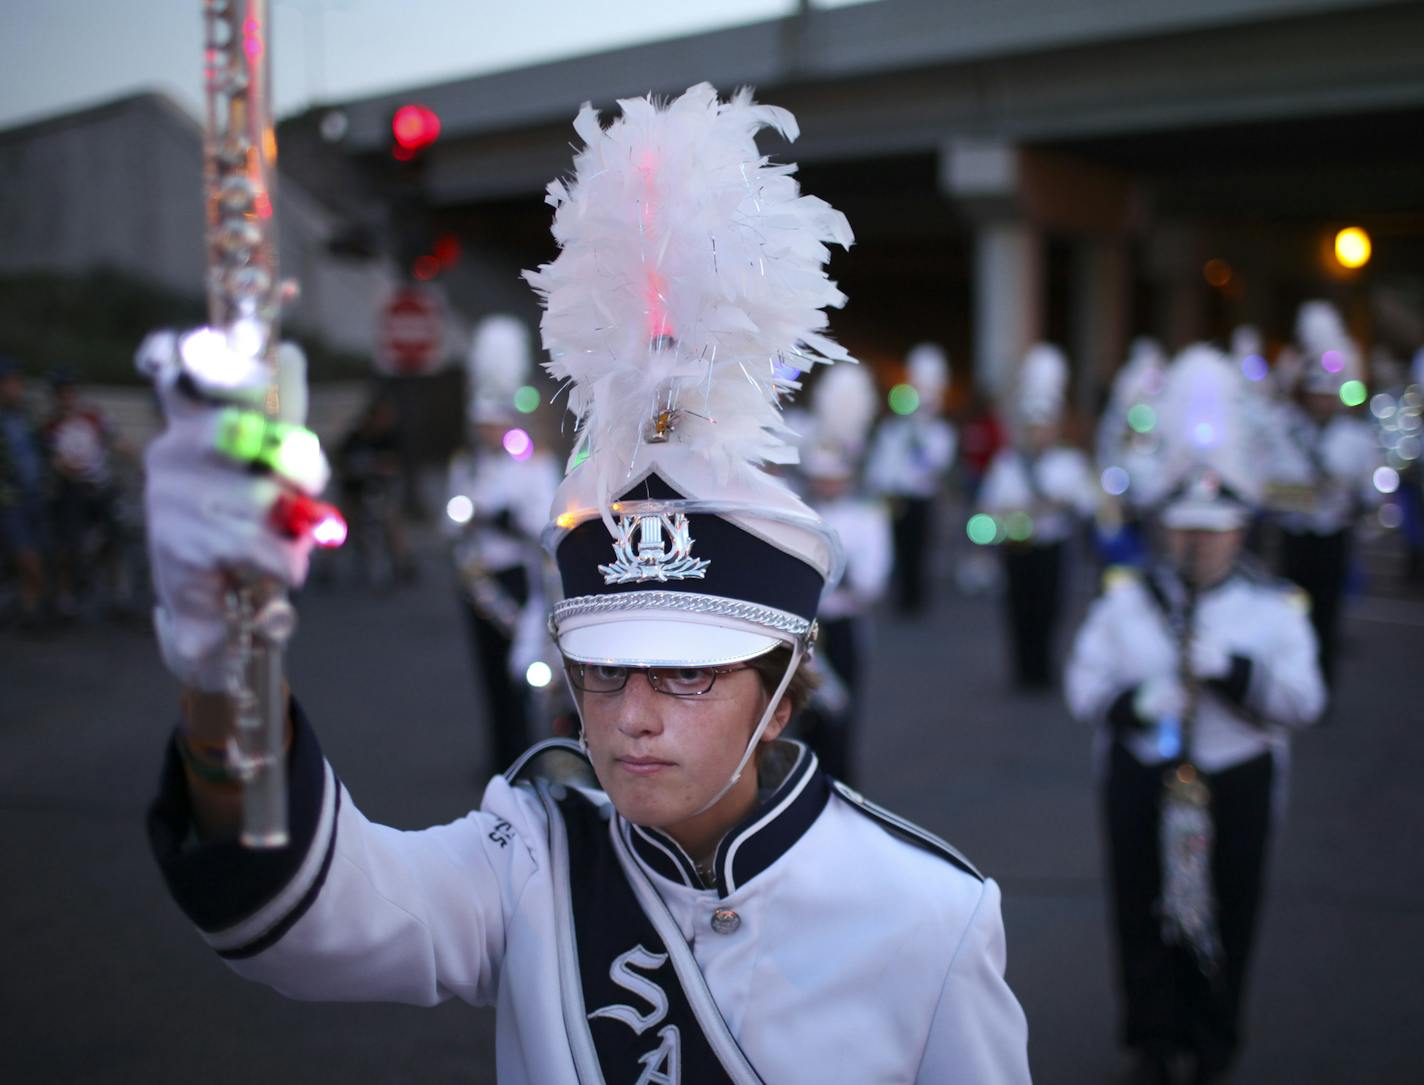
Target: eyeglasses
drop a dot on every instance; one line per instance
(673, 681)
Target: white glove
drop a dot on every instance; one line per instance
(207, 514)
(1159, 698)
(1210, 659)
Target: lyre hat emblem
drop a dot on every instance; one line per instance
(663, 550)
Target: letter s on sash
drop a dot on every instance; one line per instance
(622, 974)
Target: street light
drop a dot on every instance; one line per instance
(1353, 247)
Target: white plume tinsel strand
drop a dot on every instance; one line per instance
(689, 267)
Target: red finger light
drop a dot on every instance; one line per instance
(294, 516)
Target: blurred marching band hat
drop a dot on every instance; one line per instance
(1042, 384)
(844, 402)
(497, 366)
(1329, 357)
(927, 367)
(1245, 341)
(690, 280)
(1208, 483)
(1141, 377)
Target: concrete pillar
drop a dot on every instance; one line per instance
(1099, 300)
(1008, 299)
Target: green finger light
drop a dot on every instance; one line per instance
(291, 451)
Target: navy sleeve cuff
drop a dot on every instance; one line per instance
(1236, 683)
(220, 884)
(1122, 717)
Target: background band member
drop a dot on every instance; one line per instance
(1198, 661)
(1039, 491)
(843, 409)
(1324, 462)
(497, 502)
(909, 459)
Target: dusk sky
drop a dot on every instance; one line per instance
(57, 55)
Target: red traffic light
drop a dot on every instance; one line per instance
(414, 127)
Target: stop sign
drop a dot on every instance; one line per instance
(410, 336)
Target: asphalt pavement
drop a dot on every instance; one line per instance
(104, 981)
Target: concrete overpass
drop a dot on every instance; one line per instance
(1013, 168)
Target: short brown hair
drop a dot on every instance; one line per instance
(771, 669)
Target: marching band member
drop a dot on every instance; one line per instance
(1324, 464)
(1129, 448)
(667, 899)
(497, 501)
(1038, 490)
(1196, 668)
(844, 402)
(909, 459)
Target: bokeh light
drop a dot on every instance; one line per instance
(1115, 481)
(1217, 273)
(526, 400)
(1332, 361)
(539, 674)
(1353, 393)
(1254, 368)
(1204, 433)
(904, 399)
(1382, 406)
(330, 530)
(1141, 417)
(1353, 247)
(1391, 516)
(460, 509)
(1386, 480)
(981, 529)
(518, 444)
(1018, 526)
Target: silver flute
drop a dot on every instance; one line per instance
(244, 300)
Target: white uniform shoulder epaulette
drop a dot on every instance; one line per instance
(1116, 577)
(1257, 575)
(906, 830)
(558, 760)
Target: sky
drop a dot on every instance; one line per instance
(58, 55)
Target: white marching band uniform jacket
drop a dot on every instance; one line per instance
(499, 485)
(863, 527)
(1274, 684)
(910, 456)
(1333, 464)
(1056, 487)
(858, 949)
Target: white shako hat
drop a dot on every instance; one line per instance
(690, 276)
(1142, 376)
(844, 403)
(1042, 384)
(927, 366)
(1329, 357)
(1208, 480)
(497, 366)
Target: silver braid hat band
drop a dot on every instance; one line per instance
(683, 602)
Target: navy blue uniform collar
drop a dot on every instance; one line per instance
(761, 838)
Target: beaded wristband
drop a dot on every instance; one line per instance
(204, 768)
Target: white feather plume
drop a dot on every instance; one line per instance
(690, 275)
(498, 364)
(1203, 421)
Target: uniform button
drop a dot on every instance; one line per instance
(725, 921)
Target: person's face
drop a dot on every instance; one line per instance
(1204, 557)
(661, 759)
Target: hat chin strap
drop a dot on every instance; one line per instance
(796, 653)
